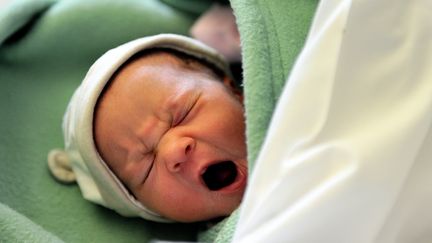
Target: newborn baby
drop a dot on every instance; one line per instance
(156, 130)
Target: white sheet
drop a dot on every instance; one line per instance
(348, 156)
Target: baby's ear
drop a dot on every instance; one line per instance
(229, 83)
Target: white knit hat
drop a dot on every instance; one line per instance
(80, 160)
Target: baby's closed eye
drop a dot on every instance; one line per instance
(183, 113)
(150, 160)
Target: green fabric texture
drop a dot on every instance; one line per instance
(18, 13)
(192, 6)
(11, 221)
(272, 34)
(46, 47)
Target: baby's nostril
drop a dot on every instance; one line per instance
(188, 149)
(220, 175)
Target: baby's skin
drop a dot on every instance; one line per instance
(172, 130)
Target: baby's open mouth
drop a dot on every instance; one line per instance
(220, 175)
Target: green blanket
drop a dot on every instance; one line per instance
(46, 47)
(272, 34)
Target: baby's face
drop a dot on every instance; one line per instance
(175, 138)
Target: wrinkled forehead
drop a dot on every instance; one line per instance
(146, 87)
(153, 75)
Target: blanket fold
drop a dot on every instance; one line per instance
(19, 14)
(11, 221)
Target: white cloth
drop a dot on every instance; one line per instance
(348, 155)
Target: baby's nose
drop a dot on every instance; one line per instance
(176, 152)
